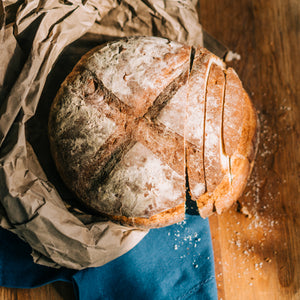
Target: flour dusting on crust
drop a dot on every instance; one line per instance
(141, 185)
(138, 69)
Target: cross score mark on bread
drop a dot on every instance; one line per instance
(135, 116)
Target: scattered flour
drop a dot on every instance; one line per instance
(185, 238)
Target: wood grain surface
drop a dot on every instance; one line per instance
(257, 242)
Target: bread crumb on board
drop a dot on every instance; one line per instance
(230, 56)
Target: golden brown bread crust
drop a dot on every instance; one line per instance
(137, 114)
(108, 140)
(165, 218)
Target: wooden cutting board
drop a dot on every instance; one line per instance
(257, 242)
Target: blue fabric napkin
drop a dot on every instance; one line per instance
(175, 262)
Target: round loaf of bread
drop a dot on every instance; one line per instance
(140, 119)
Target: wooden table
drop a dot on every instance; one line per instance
(257, 242)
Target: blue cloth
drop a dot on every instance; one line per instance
(175, 262)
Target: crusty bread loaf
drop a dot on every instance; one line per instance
(139, 117)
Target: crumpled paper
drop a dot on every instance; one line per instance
(40, 42)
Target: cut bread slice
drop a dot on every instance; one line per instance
(195, 110)
(239, 124)
(214, 171)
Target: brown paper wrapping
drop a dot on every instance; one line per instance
(40, 41)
